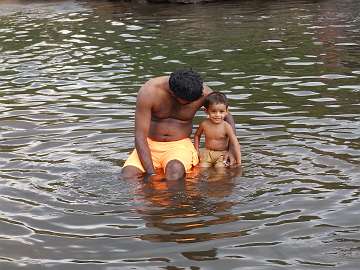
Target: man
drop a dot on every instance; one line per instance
(165, 108)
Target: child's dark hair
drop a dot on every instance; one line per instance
(186, 84)
(215, 98)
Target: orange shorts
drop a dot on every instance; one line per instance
(162, 152)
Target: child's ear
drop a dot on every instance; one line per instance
(206, 111)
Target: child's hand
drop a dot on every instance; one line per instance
(233, 165)
(229, 159)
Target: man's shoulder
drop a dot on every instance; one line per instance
(157, 81)
(153, 92)
(157, 84)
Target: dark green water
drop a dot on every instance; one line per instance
(69, 73)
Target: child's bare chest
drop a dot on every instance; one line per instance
(215, 132)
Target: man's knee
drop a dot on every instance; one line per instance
(131, 172)
(174, 170)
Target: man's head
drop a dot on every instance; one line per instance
(186, 84)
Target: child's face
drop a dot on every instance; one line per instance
(217, 112)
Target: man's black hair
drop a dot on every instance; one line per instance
(215, 98)
(186, 84)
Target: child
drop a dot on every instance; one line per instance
(219, 134)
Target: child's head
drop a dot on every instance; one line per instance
(216, 106)
(215, 98)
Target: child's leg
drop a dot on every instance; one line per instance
(205, 158)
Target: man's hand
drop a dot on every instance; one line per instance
(153, 177)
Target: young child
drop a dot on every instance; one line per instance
(219, 134)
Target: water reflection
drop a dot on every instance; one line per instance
(190, 212)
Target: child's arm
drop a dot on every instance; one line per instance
(234, 144)
(197, 136)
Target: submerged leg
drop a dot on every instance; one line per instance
(174, 170)
(131, 172)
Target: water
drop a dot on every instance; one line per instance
(69, 73)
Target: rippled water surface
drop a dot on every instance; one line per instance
(69, 74)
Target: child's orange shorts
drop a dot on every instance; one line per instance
(162, 152)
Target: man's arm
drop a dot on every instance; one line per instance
(206, 90)
(230, 156)
(142, 126)
(230, 119)
(234, 144)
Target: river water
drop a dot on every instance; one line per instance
(69, 74)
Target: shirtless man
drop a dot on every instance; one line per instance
(165, 108)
